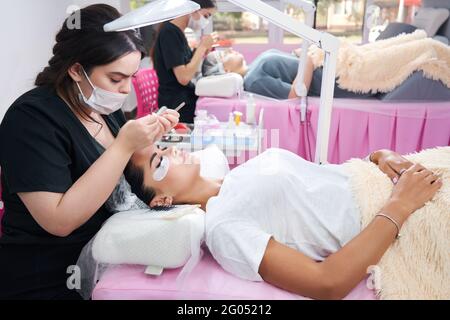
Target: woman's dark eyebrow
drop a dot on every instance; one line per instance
(152, 158)
(123, 74)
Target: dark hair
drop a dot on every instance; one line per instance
(135, 177)
(210, 65)
(88, 44)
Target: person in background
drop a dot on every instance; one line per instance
(176, 64)
(272, 74)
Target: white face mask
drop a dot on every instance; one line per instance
(204, 22)
(213, 162)
(102, 101)
(161, 172)
(200, 24)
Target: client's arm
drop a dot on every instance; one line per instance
(335, 277)
(306, 79)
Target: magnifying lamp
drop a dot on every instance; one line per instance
(152, 13)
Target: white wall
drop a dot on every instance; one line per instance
(121, 5)
(27, 33)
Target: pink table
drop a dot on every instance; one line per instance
(208, 281)
(358, 126)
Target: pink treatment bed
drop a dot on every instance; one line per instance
(357, 126)
(208, 281)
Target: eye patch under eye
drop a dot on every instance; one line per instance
(162, 169)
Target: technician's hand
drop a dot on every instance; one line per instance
(167, 121)
(209, 40)
(173, 117)
(140, 133)
(415, 187)
(391, 163)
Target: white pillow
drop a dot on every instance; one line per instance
(430, 19)
(163, 239)
(223, 86)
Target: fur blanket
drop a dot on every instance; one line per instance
(417, 266)
(383, 65)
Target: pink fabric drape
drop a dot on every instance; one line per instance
(357, 128)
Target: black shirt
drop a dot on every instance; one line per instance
(44, 147)
(172, 50)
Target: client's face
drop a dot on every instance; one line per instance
(233, 61)
(169, 171)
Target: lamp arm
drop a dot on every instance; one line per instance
(327, 42)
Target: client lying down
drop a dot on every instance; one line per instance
(272, 74)
(281, 219)
(408, 65)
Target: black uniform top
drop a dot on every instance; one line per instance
(172, 50)
(43, 147)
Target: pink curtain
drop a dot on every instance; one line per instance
(358, 126)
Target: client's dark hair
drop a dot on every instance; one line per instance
(210, 65)
(135, 177)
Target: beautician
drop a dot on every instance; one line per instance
(64, 146)
(175, 62)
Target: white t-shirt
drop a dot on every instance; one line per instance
(306, 206)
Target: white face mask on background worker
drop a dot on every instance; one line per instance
(199, 24)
